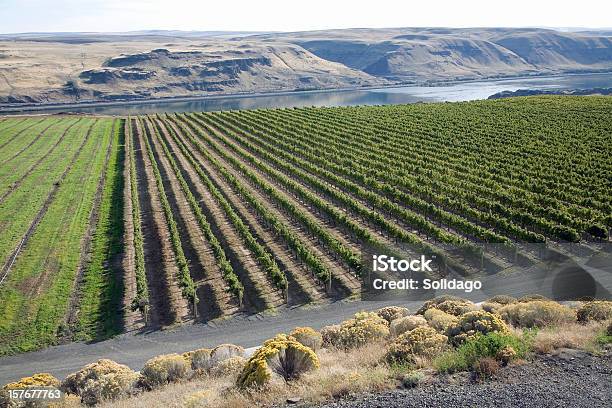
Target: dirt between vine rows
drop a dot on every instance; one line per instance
(258, 295)
(567, 378)
(343, 279)
(167, 304)
(192, 240)
(212, 287)
(300, 290)
(132, 319)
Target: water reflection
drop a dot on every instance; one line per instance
(384, 96)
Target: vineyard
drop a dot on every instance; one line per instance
(112, 225)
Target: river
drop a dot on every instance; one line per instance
(461, 91)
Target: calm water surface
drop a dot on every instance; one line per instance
(383, 96)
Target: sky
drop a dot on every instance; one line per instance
(277, 15)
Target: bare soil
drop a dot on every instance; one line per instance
(198, 254)
(345, 281)
(300, 289)
(167, 304)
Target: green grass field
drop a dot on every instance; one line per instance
(36, 292)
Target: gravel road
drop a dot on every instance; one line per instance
(569, 378)
(134, 349)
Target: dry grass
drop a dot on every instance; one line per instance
(341, 373)
(570, 335)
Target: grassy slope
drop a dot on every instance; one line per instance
(101, 291)
(28, 136)
(19, 167)
(19, 209)
(37, 292)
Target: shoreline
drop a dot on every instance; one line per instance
(49, 108)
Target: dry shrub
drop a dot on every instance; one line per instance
(225, 352)
(341, 373)
(103, 380)
(199, 359)
(344, 372)
(491, 307)
(230, 367)
(364, 328)
(532, 297)
(164, 369)
(456, 307)
(506, 354)
(598, 310)
(609, 329)
(436, 301)
(572, 335)
(495, 303)
(331, 335)
(439, 320)
(473, 323)
(37, 380)
(485, 367)
(279, 359)
(308, 337)
(404, 324)
(198, 399)
(422, 342)
(537, 313)
(391, 313)
(202, 361)
(109, 387)
(413, 379)
(502, 300)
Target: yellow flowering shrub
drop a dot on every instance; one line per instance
(473, 323)
(279, 359)
(423, 341)
(102, 380)
(598, 310)
(165, 369)
(391, 313)
(407, 323)
(76, 381)
(537, 313)
(37, 380)
(364, 328)
(308, 337)
(439, 320)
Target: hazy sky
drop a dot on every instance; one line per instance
(278, 15)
